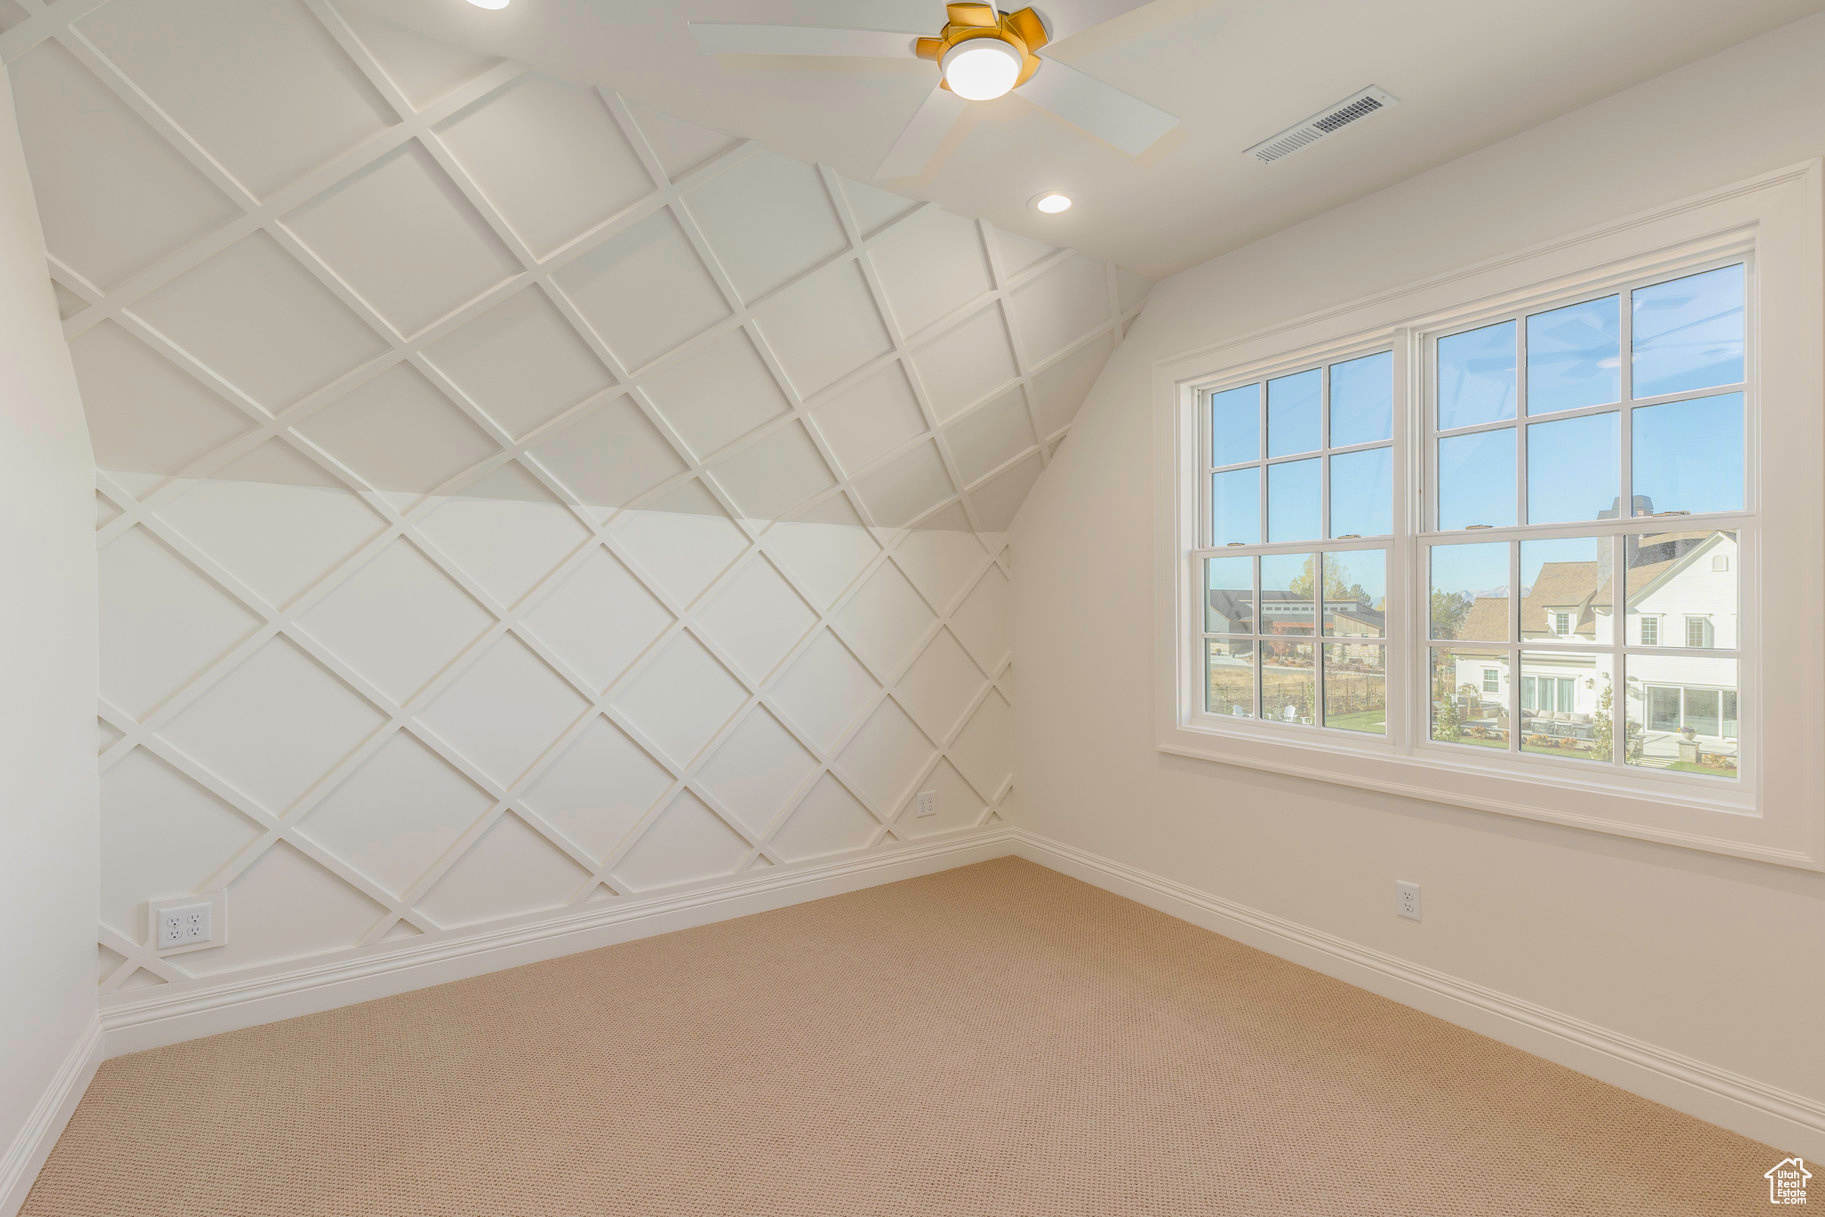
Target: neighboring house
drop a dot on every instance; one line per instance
(1356, 620)
(1680, 592)
(1232, 611)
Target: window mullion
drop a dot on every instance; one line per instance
(1324, 449)
(1397, 619)
(1625, 339)
(1619, 631)
(1520, 428)
(1514, 645)
(1321, 560)
(1261, 489)
(1207, 449)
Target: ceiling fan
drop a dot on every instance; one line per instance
(982, 53)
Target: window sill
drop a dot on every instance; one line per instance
(1726, 822)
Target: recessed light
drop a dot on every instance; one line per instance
(489, 3)
(1052, 202)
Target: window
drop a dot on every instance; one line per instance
(1545, 601)
(1548, 394)
(1693, 712)
(1300, 503)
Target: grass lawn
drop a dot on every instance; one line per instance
(1374, 721)
(1480, 743)
(1586, 753)
(1689, 767)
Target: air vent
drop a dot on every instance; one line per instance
(1331, 119)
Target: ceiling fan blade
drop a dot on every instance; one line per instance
(919, 142)
(968, 12)
(723, 38)
(1064, 18)
(1103, 110)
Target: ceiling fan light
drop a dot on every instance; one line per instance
(979, 69)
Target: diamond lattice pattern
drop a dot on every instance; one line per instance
(512, 497)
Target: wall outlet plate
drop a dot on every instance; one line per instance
(187, 923)
(928, 804)
(1406, 899)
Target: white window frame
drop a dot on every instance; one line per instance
(1641, 631)
(1773, 223)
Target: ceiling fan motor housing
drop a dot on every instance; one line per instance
(1024, 31)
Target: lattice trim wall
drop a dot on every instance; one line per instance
(830, 561)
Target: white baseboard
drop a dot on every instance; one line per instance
(33, 1145)
(1791, 1122)
(185, 1010)
(147, 1019)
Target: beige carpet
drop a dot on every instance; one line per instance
(992, 1040)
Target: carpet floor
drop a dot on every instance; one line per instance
(997, 1039)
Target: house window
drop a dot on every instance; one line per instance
(1692, 711)
(1583, 451)
(1579, 464)
(1548, 694)
(1560, 439)
(1299, 504)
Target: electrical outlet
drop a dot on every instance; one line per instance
(1406, 899)
(186, 923)
(928, 804)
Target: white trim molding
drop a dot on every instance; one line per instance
(180, 1011)
(1744, 1105)
(27, 1154)
(1772, 224)
(1789, 1121)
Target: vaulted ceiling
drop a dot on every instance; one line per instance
(435, 271)
(1233, 71)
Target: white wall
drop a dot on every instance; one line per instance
(47, 669)
(1718, 959)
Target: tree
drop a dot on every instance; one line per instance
(1603, 726)
(1337, 585)
(1447, 723)
(1448, 612)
